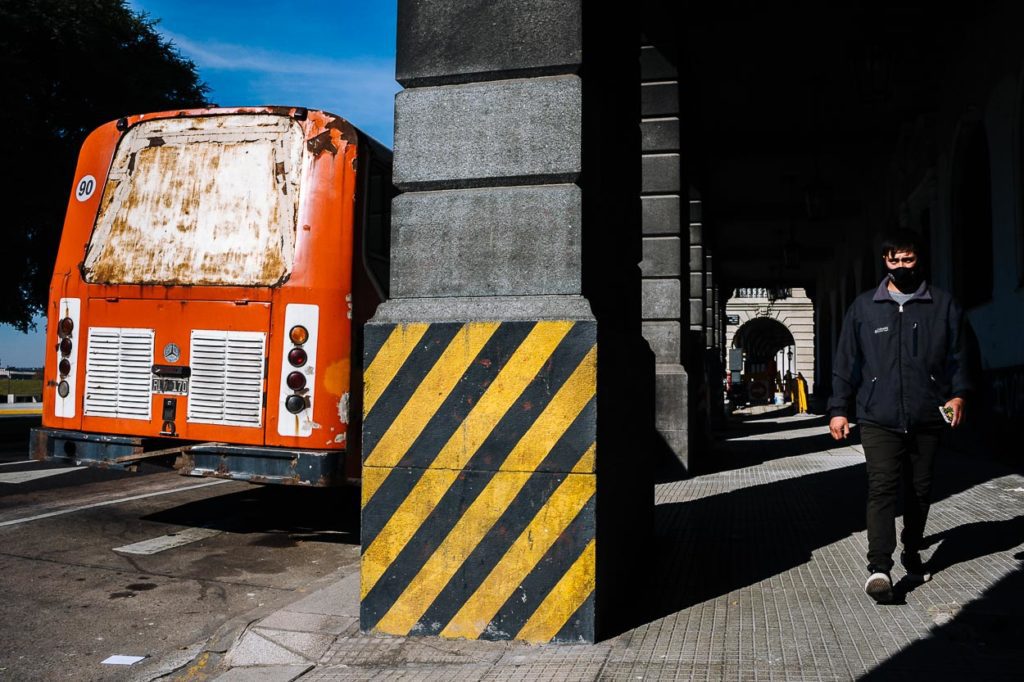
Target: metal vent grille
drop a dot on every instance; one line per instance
(118, 366)
(227, 377)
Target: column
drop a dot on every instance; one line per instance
(662, 265)
(499, 488)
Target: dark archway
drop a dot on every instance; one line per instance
(761, 339)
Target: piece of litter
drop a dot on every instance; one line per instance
(1015, 490)
(118, 659)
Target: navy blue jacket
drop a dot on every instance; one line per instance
(901, 361)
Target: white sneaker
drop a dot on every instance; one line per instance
(879, 587)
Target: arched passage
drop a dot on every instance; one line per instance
(767, 347)
(761, 340)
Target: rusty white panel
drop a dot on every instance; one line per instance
(208, 200)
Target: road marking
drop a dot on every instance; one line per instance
(23, 461)
(169, 541)
(106, 503)
(26, 476)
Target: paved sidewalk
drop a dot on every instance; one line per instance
(759, 575)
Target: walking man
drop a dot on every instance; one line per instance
(901, 354)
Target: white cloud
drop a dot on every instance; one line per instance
(234, 57)
(360, 89)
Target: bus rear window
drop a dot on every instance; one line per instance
(200, 201)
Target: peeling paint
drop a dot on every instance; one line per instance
(321, 143)
(340, 438)
(343, 408)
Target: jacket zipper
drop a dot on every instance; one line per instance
(899, 356)
(915, 339)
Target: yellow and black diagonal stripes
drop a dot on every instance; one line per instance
(479, 444)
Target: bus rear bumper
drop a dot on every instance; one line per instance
(78, 447)
(255, 464)
(316, 468)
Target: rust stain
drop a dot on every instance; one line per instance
(273, 267)
(108, 195)
(336, 377)
(156, 142)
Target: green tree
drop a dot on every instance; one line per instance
(66, 67)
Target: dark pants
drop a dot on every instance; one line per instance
(897, 462)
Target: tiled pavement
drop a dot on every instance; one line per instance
(758, 576)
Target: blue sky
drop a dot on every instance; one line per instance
(338, 56)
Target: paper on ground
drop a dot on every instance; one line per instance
(118, 659)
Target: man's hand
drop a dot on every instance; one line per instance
(957, 405)
(840, 427)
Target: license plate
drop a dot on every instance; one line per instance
(170, 386)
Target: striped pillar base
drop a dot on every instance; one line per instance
(478, 496)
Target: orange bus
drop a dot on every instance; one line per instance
(214, 272)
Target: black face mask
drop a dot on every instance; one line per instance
(906, 279)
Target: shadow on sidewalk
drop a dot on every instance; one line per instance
(738, 426)
(973, 540)
(744, 444)
(714, 545)
(982, 641)
(286, 514)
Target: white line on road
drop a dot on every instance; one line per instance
(105, 503)
(26, 476)
(24, 461)
(169, 541)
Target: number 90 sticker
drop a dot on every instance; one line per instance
(85, 188)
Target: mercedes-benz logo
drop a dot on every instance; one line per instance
(172, 352)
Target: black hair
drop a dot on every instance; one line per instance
(903, 240)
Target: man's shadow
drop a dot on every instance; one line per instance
(964, 543)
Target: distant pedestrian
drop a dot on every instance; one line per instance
(801, 393)
(902, 353)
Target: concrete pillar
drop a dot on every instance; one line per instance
(695, 347)
(709, 300)
(662, 265)
(695, 300)
(498, 487)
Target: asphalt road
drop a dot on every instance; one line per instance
(74, 590)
